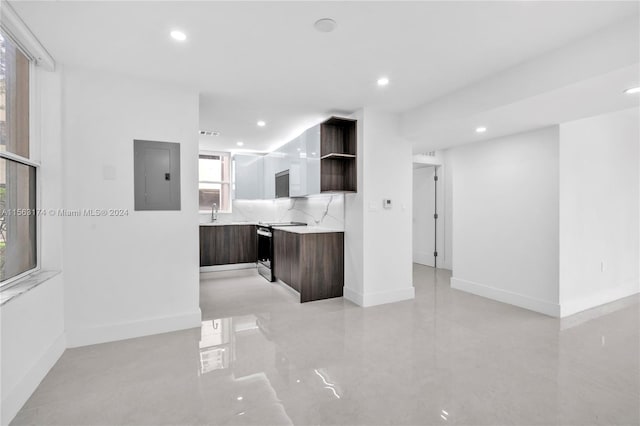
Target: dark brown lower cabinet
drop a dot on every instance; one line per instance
(226, 244)
(311, 264)
(286, 259)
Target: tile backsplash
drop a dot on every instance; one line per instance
(326, 211)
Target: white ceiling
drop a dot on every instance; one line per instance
(582, 79)
(582, 99)
(264, 60)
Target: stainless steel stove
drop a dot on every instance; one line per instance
(265, 246)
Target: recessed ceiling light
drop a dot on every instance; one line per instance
(481, 129)
(178, 35)
(239, 143)
(632, 90)
(325, 25)
(383, 81)
(261, 123)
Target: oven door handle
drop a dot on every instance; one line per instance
(264, 233)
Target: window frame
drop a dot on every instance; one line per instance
(229, 182)
(18, 159)
(9, 156)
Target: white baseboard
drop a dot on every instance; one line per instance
(516, 299)
(129, 330)
(380, 298)
(14, 399)
(352, 296)
(607, 296)
(423, 258)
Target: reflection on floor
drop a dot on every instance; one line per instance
(445, 357)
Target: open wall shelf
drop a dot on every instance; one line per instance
(337, 156)
(338, 160)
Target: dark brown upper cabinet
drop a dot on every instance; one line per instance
(338, 160)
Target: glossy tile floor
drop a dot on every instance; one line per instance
(446, 357)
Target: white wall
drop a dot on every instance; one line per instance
(134, 275)
(32, 341)
(599, 214)
(32, 324)
(378, 241)
(505, 219)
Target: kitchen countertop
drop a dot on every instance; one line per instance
(226, 223)
(306, 229)
(294, 229)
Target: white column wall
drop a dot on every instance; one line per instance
(137, 274)
(384, 172)
(354, 227)
(599, 216)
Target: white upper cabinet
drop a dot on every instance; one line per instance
(248, 173)
(274, 163)
(297, 177)
(305, 163)
(312, 144)
(268, 177)
(322, 159)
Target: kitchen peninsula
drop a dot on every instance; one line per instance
(308, 259)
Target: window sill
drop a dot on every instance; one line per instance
(25, 284)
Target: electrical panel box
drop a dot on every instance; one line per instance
(156, 171)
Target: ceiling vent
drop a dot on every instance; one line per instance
(209, 133)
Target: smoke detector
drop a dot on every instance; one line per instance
(325, 25)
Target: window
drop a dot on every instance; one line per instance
(215, 181)
(18, 251)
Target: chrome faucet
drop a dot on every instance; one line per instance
(214, 212)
